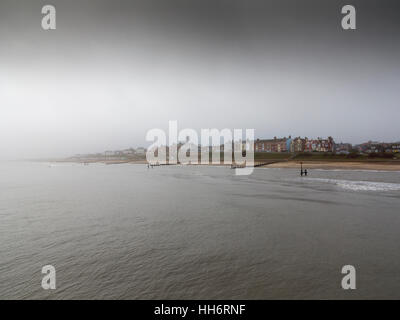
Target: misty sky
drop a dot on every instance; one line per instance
(115, 69)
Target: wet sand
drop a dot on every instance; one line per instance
(390, 165)
(349, 165)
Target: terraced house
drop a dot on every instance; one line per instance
(294, 145)
(271, 145)
(297, 145)
(319, 145)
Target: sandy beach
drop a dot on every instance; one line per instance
(383, 165)
(347, 165)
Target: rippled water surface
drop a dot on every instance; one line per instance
(196, 232)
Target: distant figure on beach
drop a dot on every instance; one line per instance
(305, 172)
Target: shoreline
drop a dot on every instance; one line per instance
(332, 165)
(291, 164)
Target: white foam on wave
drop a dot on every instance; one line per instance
(357, 170)
(60, 165)
(361, 185)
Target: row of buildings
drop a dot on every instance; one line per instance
(112, 154)
(126, 152)
(378, 147)
(299, 144)
(292, 145)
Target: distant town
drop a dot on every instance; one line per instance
(263, 147)
(298, 144)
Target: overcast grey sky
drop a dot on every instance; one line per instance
(114, 69)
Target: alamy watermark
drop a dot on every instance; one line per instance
(185, 147)
(49, 18)
(348, 22)
(349, 280)
(49, 280)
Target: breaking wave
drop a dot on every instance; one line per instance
(361, 185)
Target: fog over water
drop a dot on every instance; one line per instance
(114, 69)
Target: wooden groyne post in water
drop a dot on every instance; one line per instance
(302, 171)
